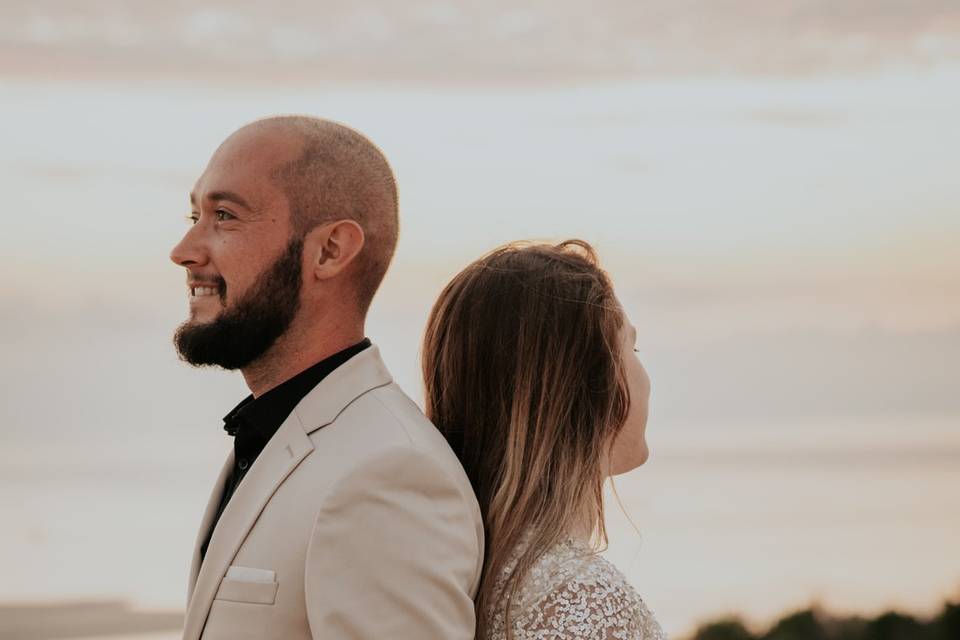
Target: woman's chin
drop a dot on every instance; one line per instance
(628, 461)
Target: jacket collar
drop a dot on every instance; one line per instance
(361, 373)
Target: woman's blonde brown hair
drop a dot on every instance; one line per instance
(523, 375)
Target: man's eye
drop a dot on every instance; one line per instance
(193, 217)
(223, 215)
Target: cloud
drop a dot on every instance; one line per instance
(59, 173)
(796, 117)
(423, 41)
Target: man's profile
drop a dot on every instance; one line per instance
(341, 512)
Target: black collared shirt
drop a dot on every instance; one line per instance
(254, 421)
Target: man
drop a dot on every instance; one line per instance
(341, 512)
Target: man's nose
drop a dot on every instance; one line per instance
(190, 250)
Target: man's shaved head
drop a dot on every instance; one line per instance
(339, 174)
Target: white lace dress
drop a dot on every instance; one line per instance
(572, 593)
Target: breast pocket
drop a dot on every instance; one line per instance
(243, 607)
(236, 590)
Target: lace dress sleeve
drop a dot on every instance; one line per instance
(596, 603)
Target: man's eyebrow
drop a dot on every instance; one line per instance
(223, 195)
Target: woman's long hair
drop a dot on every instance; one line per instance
(523, 375)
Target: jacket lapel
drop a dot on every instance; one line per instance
(356, 376)
(208, 516)
(288, 446)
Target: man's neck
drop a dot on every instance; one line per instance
(296, 351)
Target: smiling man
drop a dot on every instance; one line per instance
(340, 512)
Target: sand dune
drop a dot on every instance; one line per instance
(112, 619)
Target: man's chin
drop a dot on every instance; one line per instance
(204, 311)
(197, 345)
(193, 323)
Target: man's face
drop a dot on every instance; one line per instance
(243, 270)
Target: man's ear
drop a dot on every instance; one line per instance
(331, 247)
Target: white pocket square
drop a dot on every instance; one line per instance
(250, 574)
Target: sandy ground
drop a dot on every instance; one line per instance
(111, 619)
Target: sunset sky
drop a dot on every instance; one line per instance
(773, 187)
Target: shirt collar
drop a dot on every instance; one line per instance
(257, 419)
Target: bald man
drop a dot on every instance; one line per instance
(340, 511)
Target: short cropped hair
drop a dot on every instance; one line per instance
(340, 174)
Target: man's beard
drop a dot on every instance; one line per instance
(244, 332)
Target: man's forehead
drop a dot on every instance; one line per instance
(263, 143)
(244, 165)
(263, 150)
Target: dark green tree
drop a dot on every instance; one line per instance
(947, 624)
(896, 626)
(803, 625)
(729, 629)
(813, 624)
(846, 628)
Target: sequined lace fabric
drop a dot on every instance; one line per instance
(572, 593)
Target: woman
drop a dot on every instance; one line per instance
(530, 373)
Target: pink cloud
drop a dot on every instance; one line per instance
(489, 42)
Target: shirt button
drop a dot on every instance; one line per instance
(243, 464)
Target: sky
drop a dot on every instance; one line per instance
(770, 237)
(772, 187)
(463, 43)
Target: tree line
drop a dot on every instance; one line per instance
(814, 624)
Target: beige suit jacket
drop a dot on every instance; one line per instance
(356, 521)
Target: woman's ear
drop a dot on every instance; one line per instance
(331, 247)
